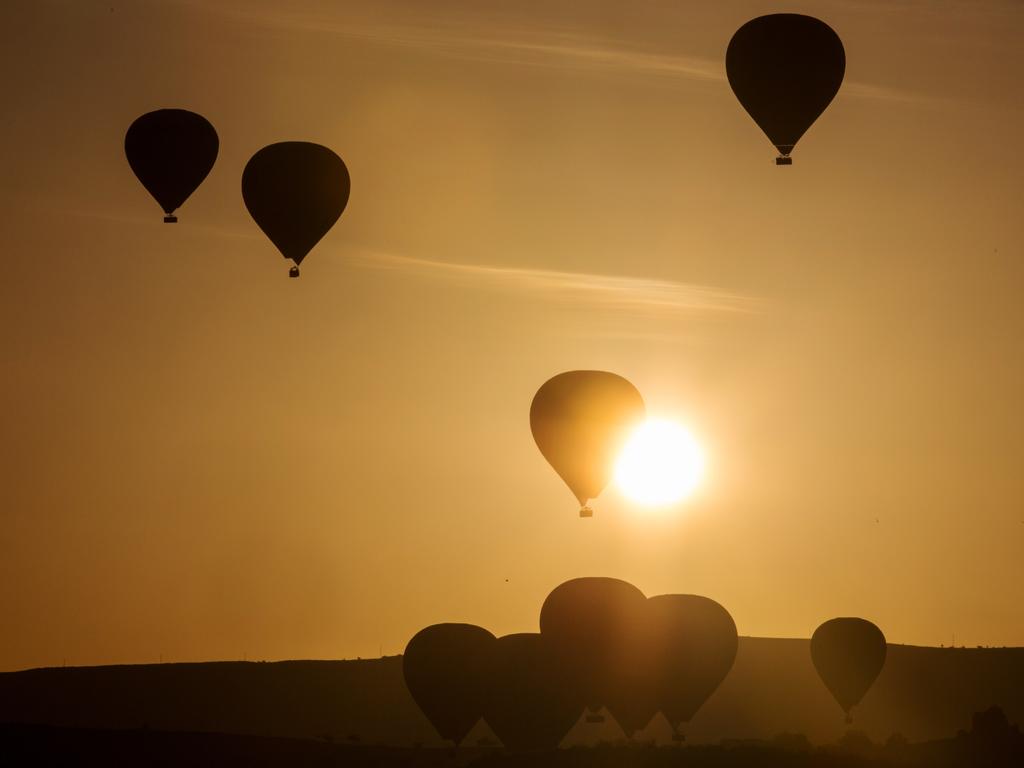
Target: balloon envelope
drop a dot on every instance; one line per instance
(445, 670)
(529, 703)
(631, 684)
(785, 69)
(693, 647)
(848, 654)
(295, 191)
(171, 151)
(580, 421)
(592, 624)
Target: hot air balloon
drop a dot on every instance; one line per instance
(171, 151)
(693, 647)
(593, 625)
(631, 684)
(580, 421)
(529, 704)
(445, 669)
(295, 191)
(785, 69)
(848, 654)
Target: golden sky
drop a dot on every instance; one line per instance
(206, 460)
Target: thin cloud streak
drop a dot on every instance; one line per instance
(476, 43)
(600, 55)
(524, 47)
(881, 93)
(635, 295)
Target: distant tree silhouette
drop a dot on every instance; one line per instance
(991, 725)
(896, 741)
(792, 742)
(992, 740)
(856, 742)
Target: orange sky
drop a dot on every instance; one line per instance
(203, 459)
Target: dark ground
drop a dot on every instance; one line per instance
(991, 743)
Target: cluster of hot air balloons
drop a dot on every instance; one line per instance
(603, 644)
(294, 190)
(784, 68)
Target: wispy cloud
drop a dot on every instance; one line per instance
(480, 41)
(860, 90)
(476, 39)
(597, 54)
(632, 295)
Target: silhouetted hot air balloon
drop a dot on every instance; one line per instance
(593, 625)
(446, 670)
(171, 151)
(580, 421)
(530, 704)
(631, 684)
(848, 654)
(693, 647)
(785, 69)
(295, 191)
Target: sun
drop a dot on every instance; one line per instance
(660, 464)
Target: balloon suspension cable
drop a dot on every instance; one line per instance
(586, 511)
(293, 272)
(170, 218)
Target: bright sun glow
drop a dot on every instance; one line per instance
(660, 464)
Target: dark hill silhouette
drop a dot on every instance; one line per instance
(343, 700)
(922, 693)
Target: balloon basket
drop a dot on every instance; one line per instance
(783, 160)
(678, 737)
(293, 272)
(170, 219)
(586, 511)
(849, 719)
